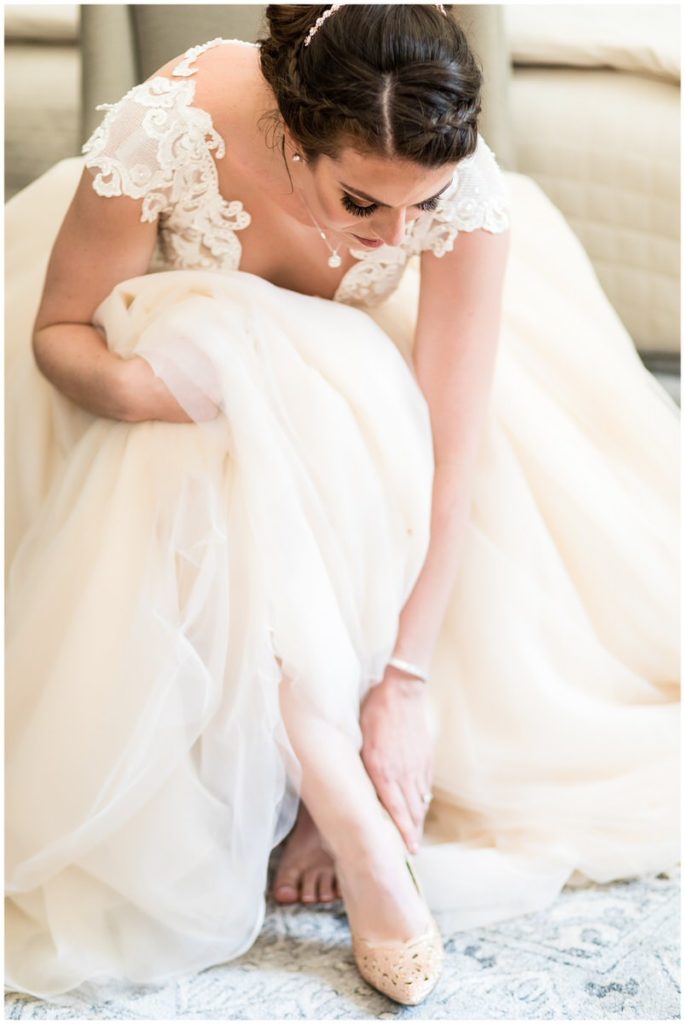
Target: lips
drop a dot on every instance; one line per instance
(370, 243)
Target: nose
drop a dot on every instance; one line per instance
(390, 225)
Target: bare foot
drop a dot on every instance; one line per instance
(306, 871)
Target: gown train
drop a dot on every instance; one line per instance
(155, 572)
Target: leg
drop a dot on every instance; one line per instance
(380, 898)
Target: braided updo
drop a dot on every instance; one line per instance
(395, 80)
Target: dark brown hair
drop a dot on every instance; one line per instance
(397, 80)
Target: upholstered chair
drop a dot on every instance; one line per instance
(124, 44)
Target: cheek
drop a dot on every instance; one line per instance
(338, 217)
(342, 220)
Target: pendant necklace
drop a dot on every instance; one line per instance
(335, 259)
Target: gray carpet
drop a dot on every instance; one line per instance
(605, 952)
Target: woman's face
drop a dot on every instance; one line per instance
(359, 198)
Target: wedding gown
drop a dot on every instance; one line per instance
(156, 571)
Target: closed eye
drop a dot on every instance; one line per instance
(365, 211)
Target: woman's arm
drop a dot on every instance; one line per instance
(100, 243)
(454, 355)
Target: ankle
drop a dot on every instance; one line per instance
(372, 843)
(381, 900)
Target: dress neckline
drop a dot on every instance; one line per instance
(371, 261)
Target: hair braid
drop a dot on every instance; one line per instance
(399, 80)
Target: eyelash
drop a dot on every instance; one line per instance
(366, 211)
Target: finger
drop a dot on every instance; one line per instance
(395, 802)
(415, 803)
(326, 886)
(426, 807)
(392, 797)
(425, 787)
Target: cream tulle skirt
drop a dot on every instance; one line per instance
(156, 571)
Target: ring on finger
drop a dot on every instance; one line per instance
(426, 797)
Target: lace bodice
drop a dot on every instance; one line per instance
(156, 146)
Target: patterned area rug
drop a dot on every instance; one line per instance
(603, 952)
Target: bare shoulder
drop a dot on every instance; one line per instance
(225, 75)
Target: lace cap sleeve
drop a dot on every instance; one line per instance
(478, 198)
(146, 140)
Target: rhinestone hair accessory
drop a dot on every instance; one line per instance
(336, 7)
(319, 22)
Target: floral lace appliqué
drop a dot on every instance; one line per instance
(374, 277)
(477, 198)
(156, 146)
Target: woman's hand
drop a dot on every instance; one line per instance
(397, 749)
(146, 396)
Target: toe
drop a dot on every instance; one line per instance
(286, 887)
(310, 886)
(326, 886)
(286, 894)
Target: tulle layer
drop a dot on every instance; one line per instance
(557, 669)
(159, 573)
(169, 566)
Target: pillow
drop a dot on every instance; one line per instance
(42, 23)
(643, 38)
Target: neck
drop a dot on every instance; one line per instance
(291, 178)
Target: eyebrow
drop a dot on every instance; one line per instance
(363, 195)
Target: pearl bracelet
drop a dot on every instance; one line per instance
(406, 666)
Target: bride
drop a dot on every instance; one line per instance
(320, 509)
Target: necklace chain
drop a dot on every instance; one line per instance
(334, 260)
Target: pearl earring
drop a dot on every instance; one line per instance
(296, 156)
